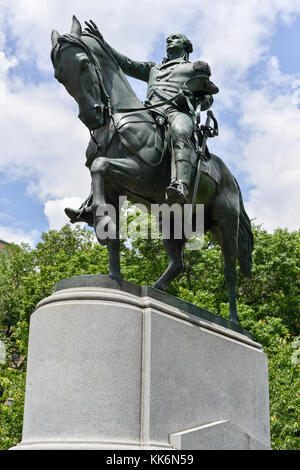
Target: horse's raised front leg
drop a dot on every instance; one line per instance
(227, 237)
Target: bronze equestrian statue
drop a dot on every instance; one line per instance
(164, 81)
(129, 153)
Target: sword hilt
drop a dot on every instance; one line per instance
(207, 129)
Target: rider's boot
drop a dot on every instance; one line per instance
(178, 191)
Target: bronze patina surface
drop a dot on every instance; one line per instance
(127, 156)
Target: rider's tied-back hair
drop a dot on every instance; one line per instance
(188, 46)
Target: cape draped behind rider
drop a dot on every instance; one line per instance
(164, 81)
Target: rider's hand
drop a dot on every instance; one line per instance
(92, 28)
(187, 93)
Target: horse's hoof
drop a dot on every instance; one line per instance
(117, 277)
(234, 319)
(158, 286)
(79, 216)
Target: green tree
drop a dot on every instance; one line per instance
(268, 305)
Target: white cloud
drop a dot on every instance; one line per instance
(271, 156)
(54, 211)
(232, 35)
(265, 147)
(43, 142)
(12, 234)
(5, 65)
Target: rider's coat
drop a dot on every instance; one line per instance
(166, 79)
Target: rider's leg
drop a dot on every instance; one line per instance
(181, 131)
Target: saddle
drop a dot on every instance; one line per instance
(163, 141)
(209, 163)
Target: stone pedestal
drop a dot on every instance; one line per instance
(116, 366)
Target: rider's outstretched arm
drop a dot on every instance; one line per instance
(132, 68)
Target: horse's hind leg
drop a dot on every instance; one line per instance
(227, 235)
(175, 251)
(113, 244)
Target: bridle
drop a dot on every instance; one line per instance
(72, 39)
(75, 40)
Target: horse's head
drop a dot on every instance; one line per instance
(78, 70)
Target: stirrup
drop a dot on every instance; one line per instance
(177, 193)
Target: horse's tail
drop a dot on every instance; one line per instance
(245, 239)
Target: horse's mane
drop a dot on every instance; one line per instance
(71, 39)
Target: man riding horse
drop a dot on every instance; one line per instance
(126, 158)
(165, 80)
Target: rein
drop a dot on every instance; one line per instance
(75, 40)
(157, 105)
(69, 38)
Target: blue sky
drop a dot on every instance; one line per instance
(252, 47)
(284, 46)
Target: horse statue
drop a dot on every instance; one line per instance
(126, 156)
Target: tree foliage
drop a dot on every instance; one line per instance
(268, 305)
